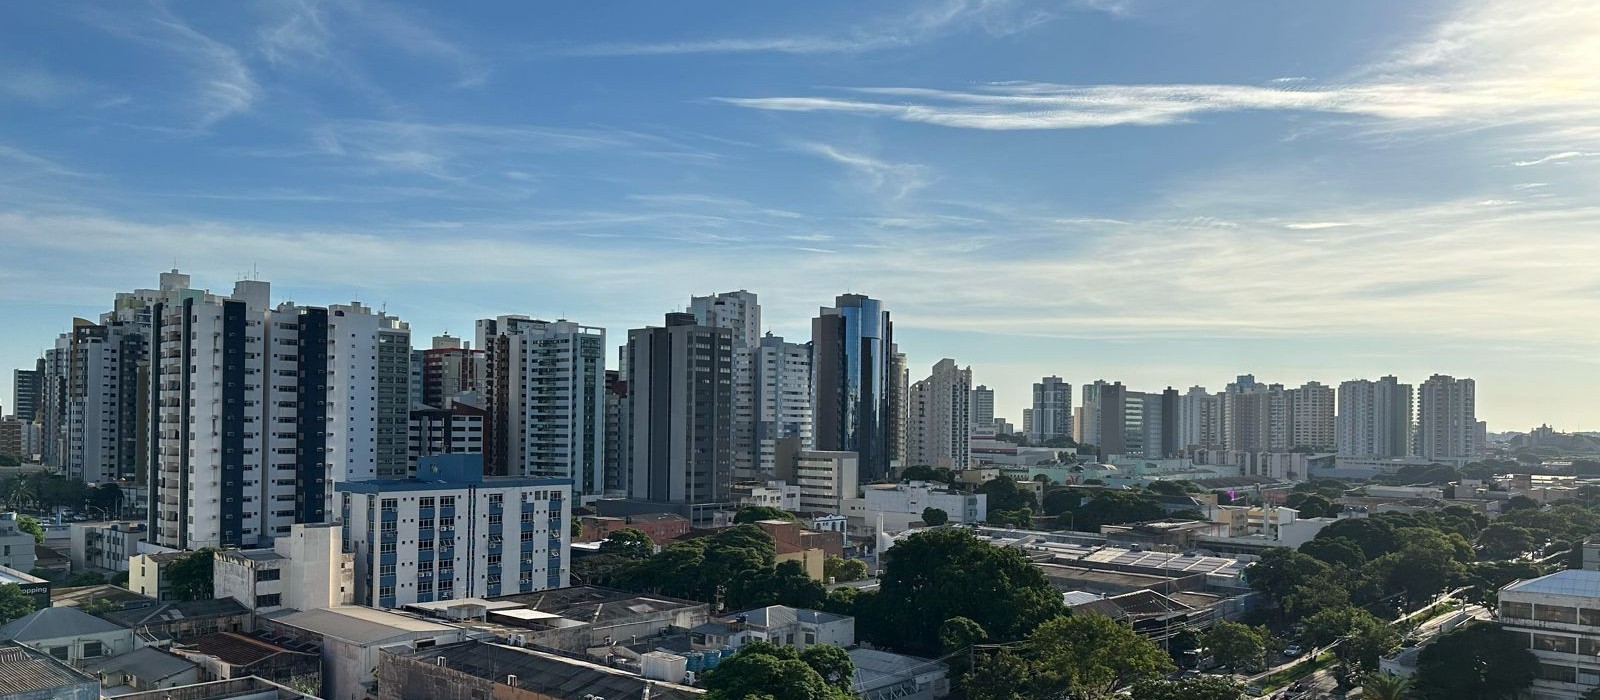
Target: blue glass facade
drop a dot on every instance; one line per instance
(854, 348)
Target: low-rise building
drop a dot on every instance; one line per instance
(486, 670)
(16, 546)
(352, 637)
(778, 624)
(236, 689)
(30, 674)
(181, 619)
(901, 505)
(882, 675)
(226, 655)
(825, 478)
(38, 588)
(304, 570)
(70, 635)
(450, 532)
(1558, 616)
(147, 573)
(571, 620)
(771, 494)
(147, 668)
(661, 528)
(105, 546)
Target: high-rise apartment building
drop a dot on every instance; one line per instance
(95, 428)
(1374, 418)
(26, 386)
(451, 533)
(982, 403)
(1447, 420)
(1052, 410)
(898, 444)
(1103, 418)
(940, 428)
(782, 383)
(857, 384)
(1311, 417)
(680, 411)
(1247, 415)
(451, 371)
(1199, 419)
(458, 429)
(616, 422)
(260, 410)
(740, 313)
(546, 400)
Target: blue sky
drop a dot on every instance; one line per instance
(1157, 192)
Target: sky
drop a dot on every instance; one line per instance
(1158, 192)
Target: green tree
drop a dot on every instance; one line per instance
(958, 633)
(923, 472)
(1001, 675)
(1236, 645)
(1383, 686)
(842, 570)
(1314, 505)
(1338, 551)
(935, 575)
(676, 571)
(1313, 595)
(628, 543)
(1115, 508)
(1520, 503)
(1366, 638)
(1427, 563)
(1092, 656)
(832, 663)
(934, 517)
(191, 575)
(1502, 541)
(755, 514)
(1058, 501)
(1003, 495)
(1171, 487)
(1475, 662)
(762, 669)
(785, 584)
(1485, 580)
(603, 570)
(1202, 688)
(31, 526)
(1374, 535)
(1280, 570)
(13, 602)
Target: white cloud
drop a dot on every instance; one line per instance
(897, 180)
(325, 33)
(928, 22)
(1553, 158)
(221, 84)
(1477, 70)
(1315, 225)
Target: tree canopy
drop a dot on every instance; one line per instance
(191, 576)
(1476, 662)
(1202, 688)
(755, 514)
(763, 669)
(1236, 645)
(841, 569)
(13, 602)
(934, 517)
(629, 543)
(1092, 656)
(936, 575)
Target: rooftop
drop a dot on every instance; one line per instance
(55, 623)
(775, 615)
(876, 669)
(361, 625)
(549, 674)
(23, 670)
(175, 611)
(78, 595)
(250, 688)
(252, 555)
(234, 648)
(1571, 582)
(148, 664)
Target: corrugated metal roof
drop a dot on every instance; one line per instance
(24, 670)
(55, 623)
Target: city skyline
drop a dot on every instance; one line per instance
(1090, 189)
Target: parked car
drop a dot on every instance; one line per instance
(1292, 651)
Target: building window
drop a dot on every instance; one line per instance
(425, 567)
(1520, 611)
(269, 600)
(447, 501)
(424, 586)
(494, 560)
(60, 652)
(1589, 618)
(425, 546)
(385, 591)
(496, 499)
(811, 638)
(269, 574)
(425, 502)
(495, 519)
(391, 504)
(92, 650)
(386, 548)
(386, 570)
(1555, 643)
(447, 523)
(425, 523)
(1555, 613)
(1558, 673)
(527, 516)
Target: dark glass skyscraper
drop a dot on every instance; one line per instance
(854, 344)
